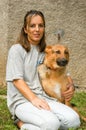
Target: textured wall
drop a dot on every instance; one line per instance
(3, 38)
(69, 15)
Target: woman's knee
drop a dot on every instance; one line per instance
(50, 123)
(73, 121)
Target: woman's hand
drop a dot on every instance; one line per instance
(68, 94)
(29, 95)
(40, 103)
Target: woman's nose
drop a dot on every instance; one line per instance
(37, 28)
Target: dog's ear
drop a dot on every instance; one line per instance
(48, 49)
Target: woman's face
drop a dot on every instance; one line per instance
(35, 29)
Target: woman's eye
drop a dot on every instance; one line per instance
(32, 26)
(41, 25)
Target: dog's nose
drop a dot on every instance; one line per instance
(62, 62)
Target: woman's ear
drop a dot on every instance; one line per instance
(25, 30)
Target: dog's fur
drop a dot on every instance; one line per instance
(52, 72)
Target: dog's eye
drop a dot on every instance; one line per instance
(57, 52)
(66, 52)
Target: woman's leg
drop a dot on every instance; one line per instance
(68, 117)
(29, 127)
(36, 119)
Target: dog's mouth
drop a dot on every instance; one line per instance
(62, 62)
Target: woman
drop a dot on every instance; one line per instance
(25, 97)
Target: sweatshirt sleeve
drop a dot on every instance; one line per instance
(15, 63)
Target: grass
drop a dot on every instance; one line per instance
(6, 122)
(79, 100)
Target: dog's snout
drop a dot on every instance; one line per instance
(62, 62)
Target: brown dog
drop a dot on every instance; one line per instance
(52, 72)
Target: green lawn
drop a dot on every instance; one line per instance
(5, 119)
(7, 124)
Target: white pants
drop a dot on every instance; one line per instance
(60, 116)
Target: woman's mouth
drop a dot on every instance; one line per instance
(37, 35)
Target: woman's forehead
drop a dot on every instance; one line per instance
(34, 19)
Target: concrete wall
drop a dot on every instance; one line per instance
(69, 15)
(3, 38)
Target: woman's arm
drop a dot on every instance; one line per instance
(24, 89)
(29, 95)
